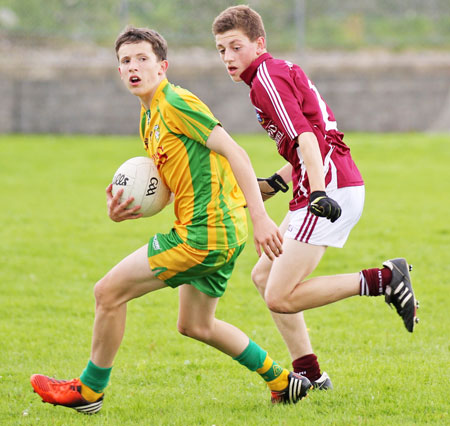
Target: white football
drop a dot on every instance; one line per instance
(139, 178)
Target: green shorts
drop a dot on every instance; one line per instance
(177, 263)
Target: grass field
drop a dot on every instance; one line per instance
(57, 241)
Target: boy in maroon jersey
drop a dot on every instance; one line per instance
(328, 192)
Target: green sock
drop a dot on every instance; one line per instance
(96, 378)
(253, 356)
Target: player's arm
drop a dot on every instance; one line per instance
(286, 172)
(265, 231)
(118, 211)
(275, 183)
(319, 203)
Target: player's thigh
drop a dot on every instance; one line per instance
(293, 266)
(261, 270)
(196, 308)
(130, 278)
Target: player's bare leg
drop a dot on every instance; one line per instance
(287, 293)
(292, 327)
(286, 290)
(197, 320)
(131, 278)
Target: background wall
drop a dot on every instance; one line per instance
(381, 66)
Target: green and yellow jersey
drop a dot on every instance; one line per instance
(208, 201)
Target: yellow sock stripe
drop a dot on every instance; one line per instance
(280, 382)
(266, 365)
(88, 394)
(270, 370)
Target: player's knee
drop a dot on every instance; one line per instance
(186, 329)
(99, 292)
(103, 296)
(259, 278)
(194, 331)
(277, 303)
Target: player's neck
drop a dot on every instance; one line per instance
(261, 53)
(146, 99)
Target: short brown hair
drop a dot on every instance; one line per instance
(240, 18)
(136, 35)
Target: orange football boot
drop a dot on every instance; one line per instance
(64, 392)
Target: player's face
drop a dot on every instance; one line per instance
(238, 52)
(140, 69)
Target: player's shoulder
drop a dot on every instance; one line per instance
(278, 69)
(179, 98)
(180, 101)
(179, 105)
(276, 65)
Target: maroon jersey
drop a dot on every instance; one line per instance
(288, 104)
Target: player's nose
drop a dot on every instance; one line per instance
(133, 65)
(228, 56)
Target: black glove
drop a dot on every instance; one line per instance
(321, 205)
(270, 186)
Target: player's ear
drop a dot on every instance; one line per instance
(260, 45)
(164, 66)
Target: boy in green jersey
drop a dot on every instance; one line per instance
(212, 180)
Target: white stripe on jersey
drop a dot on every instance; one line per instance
(327, 164)
(326, 161)
(303, 190)
(329, 125)
(333, 184)
(275, 98)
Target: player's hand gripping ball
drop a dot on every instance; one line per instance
(322, 205)
(139, 178)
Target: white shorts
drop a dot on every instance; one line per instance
(305, 227)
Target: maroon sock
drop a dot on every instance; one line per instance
(307, 366)
(374, 281)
